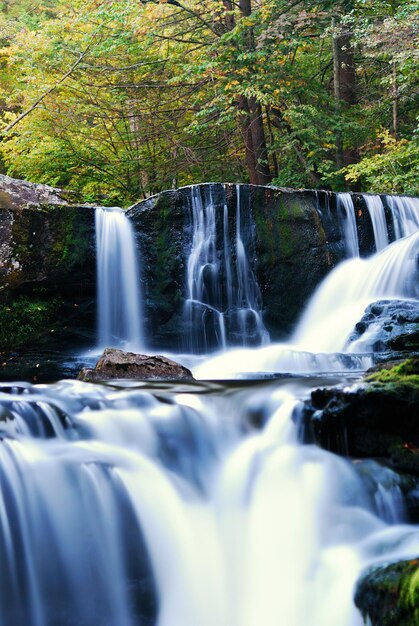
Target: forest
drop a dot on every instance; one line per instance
(118, 100)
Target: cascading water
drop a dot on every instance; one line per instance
(196, 504)
(223, 298)
(405, 212)
(156, 508)
(378, 218)
(340, 300)
(336, 306)
(118, 284)
(346, 214)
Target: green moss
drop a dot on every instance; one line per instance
(410, 593)
(296, 207)
(406, 372)
(24, 320)
(389, 595)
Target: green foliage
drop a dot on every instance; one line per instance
(405, 372)
(154, 100)
(25, 319)
(394, 169)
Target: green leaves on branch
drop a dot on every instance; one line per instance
(157, 99)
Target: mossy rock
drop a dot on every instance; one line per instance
(25, 320)
(389, 595)
(378, 418)
(290, 248)
(404, 372)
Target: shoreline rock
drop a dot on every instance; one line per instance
(117, 364)
(377, 418)
(389, 595)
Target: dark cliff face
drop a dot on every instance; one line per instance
(294, 241)
(47, 263)
(50, 245)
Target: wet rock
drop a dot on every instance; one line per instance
(292, 238)
(114, 364)
(389, 326)
(46, 243)
(377, 418)
(389, 595)
(47, 264)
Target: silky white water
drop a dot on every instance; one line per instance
(376, 210)
(347, 221)
(170, 508)
(222, 307)
(118, 284)
(405, 213)
(196, 504)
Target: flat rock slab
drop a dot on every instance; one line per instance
(114, 364)
(16, 193)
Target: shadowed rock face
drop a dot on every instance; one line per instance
(43, 239)
(389, 595)
(393, 325)
(119, 364)
(293, 237)
(47, 262)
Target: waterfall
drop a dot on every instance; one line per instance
(331, 314)
(346, 215)
(197, 504)
(376, 210)
(405, 213)
(340, 300)
(153, 508)
(118, 285)
(223, 304)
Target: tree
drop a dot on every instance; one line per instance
(120, 99)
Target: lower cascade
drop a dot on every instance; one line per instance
(200, 503)
(140, 507)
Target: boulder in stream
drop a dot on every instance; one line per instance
(389, 325)
(389, 595)
(116, 364)
(377, 418)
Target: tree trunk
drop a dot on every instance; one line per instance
(245, 7)
(245, 123)
(259, 159)
(229, 17)
(259, 142)
(395, 96)
(345, 91)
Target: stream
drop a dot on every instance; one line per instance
(199, 504)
